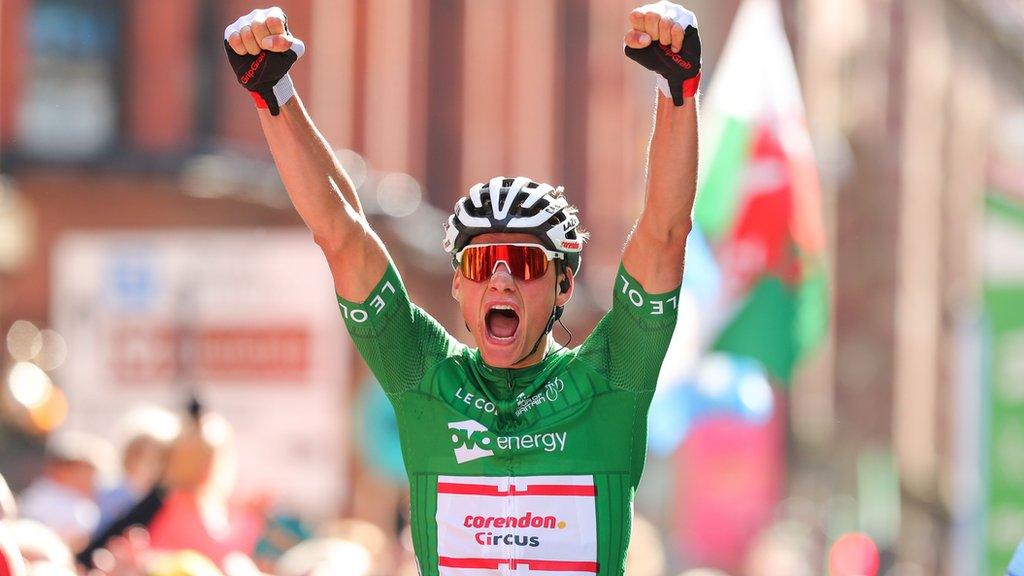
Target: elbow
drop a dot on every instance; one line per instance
(336, 239)
(353, 244)
(327, 243)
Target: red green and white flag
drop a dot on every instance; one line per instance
(759, 204)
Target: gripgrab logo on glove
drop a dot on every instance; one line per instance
(675, 57)
(253, 68)
(264, 74)
(679, 71)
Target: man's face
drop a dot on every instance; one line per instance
(507, 315)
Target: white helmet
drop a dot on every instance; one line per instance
(517, 205)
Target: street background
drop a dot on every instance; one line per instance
(845, 393)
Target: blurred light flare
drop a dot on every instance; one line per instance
(29, 385)
(22, 340)
(355, 166)
(755, 394)
(217, 431)
(51, 414)
(853, 554)
(52, 349)
(714, 375)
(399, 194)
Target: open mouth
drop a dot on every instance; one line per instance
(502, 323)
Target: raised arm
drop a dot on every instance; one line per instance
(663, 37)
(261, 49)
(324, 196)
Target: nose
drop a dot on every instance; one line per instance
(501, 278)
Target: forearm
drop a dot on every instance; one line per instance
(325, 198)
(671, 173)
(261, 50)
(655, 249)
(317, 185)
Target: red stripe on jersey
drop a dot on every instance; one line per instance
(539, 565)
(533, 490)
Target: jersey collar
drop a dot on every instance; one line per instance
(518, 377)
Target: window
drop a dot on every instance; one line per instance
(70, 105)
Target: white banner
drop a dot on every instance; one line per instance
(247, 319)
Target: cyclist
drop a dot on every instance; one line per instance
(523, 457)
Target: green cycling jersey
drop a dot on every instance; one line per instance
(518, 471)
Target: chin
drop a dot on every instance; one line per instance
(500, 356)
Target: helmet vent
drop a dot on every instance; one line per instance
(537, 209)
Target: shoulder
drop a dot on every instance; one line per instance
(458, 363)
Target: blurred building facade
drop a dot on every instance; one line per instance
(120, 114)
(113, 97)
(913, 106)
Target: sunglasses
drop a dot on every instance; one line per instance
(525, 261)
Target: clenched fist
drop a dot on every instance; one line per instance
(663, 38)
(261, 50)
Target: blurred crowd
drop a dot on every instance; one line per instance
(170, 509)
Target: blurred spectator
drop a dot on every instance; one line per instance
(125, 555)
(63, 497)
(191, 508)
(8, 508)
(146, 434)
(131, 555)
(325, 557)
(646, 554)
(199, 513)
(41, 548)
(703, 572)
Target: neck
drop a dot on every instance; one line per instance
(537, 355)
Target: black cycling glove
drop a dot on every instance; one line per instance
(265, 75)
(680, 70)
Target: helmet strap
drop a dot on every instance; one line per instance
(556, 313)
(567, 331)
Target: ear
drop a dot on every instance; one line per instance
(456, 285)
(566, 284)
